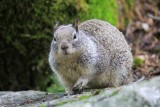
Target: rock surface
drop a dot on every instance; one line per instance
(140, 94)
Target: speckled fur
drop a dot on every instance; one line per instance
(100, 56)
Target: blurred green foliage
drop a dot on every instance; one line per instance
(25, 36)
(26, 32)
(55, 86)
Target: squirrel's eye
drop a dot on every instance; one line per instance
(54, 39)
(74, 37)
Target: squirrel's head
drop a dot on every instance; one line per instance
(66, 38)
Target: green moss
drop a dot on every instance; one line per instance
(61, 103)
(85, 97)
(42, 106)
(64, 102)
(114, 93)
(104, 9)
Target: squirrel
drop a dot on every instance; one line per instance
(92, 54)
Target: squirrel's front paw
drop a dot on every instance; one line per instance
(80, 85)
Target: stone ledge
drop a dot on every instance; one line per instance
(140, 94)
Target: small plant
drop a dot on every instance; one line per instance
(138, 61)
(56, 86)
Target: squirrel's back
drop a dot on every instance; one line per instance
(105, 33)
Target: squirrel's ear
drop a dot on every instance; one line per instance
(56, 26)
(75, 24)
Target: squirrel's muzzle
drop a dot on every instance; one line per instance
(64, 46)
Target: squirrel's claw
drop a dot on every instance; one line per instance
(80, 85)
(78, 88)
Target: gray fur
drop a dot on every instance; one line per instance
(99, 56)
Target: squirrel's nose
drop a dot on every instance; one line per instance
(64, 47)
